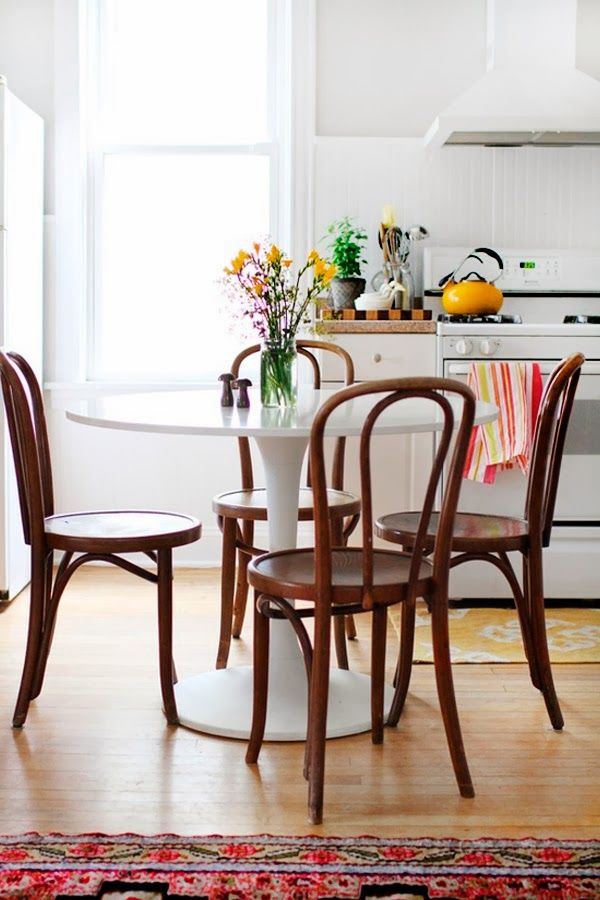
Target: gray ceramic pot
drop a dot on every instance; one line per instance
(344, 291)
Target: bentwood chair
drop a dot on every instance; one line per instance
(490, 538)
(338, 580)
(95, 536)
(238, 510)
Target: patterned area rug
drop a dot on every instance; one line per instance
(300, 868)
(493, 635)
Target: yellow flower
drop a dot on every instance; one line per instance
(237, 263)
(274, 254)
(287, 263)
(320, 267)
(388, 216)
(256, 247)
(329, 274)
(313, 256)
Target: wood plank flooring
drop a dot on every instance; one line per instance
(97, 755)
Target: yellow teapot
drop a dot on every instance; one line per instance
(472, 295)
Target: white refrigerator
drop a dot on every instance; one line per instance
(21, 304)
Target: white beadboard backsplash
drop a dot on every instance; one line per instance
(517, 197)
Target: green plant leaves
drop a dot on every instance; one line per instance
(346, 247)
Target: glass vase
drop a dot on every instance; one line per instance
(278, 374)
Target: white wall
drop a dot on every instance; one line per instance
(382, 70)
(386, 67)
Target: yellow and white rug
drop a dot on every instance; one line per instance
(485, 635)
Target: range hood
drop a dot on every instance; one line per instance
(531, 93)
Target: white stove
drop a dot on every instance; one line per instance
(540, 288)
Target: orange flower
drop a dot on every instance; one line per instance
(274, 255)
(237, 264)
(320, 268)
(329, 274)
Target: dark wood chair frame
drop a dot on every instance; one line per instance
(31, 450)
(529, 536)
(237, 522)
(366, 592)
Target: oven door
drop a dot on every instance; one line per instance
(578, 500)
(571, 561)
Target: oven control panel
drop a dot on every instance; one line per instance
(529, 271)
(474, 347)
(525, 270)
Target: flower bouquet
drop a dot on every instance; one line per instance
(276, 304)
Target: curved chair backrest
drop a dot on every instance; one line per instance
(394, 390)
(29, 439)
(548, 445)
(304, 348)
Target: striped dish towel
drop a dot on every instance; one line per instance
(516, 389)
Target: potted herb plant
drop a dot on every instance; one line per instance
(346, 248)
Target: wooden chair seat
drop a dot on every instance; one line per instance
(250, 504)
(115, 531)
(472, 531)
(291, 573)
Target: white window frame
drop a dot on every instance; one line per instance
(278, 149)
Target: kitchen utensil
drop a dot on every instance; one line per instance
(375, 300)
(392, 243)
(378, 279)
(472, 294)
(472, 298)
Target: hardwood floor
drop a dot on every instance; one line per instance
(97, 755)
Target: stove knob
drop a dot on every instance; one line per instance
(463, 347)
(488, 348)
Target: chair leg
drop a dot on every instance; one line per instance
(537, 613)
(445, 689)
(339, 637)
(522, 611)
(317, 723)
(260, 664)
(50, 610)
(241, 592)
(34, 636)
(378, 642)
(165, 634)
(339, 626)
(525, 614)
(227, 587)
(405, 660)
(350, 628)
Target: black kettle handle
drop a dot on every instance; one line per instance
(487, 250)
(495, 256)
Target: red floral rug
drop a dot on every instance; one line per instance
(40, 867)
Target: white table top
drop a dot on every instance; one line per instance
(200, 412)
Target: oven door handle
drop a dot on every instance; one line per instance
(545, 368)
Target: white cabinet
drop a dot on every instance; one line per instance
(383, 356)
(400, 464)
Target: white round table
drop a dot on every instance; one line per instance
(220, 701)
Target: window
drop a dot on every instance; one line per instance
(186, 162)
